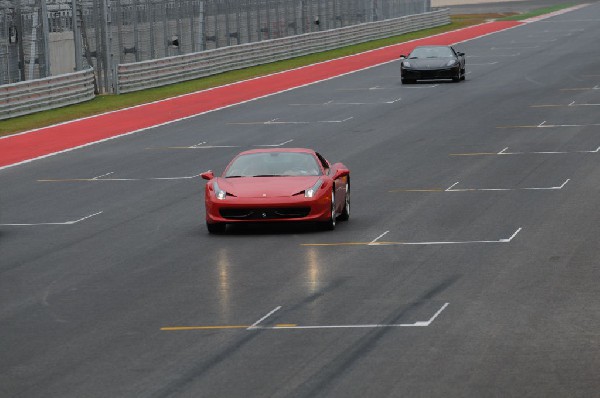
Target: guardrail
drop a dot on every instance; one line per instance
(48, 93)
(164, 71)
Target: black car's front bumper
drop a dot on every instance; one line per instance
(430, 74)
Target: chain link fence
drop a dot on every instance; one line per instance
(78, 34)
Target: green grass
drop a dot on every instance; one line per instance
(538, 12)
(106, 103)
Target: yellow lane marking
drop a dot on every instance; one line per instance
(418, 190)
(286, 325)
(177, 328)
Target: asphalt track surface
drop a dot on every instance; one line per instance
(468, 267)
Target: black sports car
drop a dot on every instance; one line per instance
(432, 63)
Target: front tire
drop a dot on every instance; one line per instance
(329, 225)
(346, 211)
(216, 228)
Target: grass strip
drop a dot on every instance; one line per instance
(537, 12)
(107, 103)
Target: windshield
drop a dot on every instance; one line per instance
(431, 52)
(272, 164)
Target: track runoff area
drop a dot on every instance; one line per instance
(468, 267)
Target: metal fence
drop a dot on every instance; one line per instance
(105, 33)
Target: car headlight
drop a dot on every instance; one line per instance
(406, 64)
(219, 193)
(451, 62)
(312, 191)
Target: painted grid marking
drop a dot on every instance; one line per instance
(53, 223)
(331, 102)
(276, 121)
(293, 326)
(505, 152)
(453, 189)
(100, 179)
(547, 126)
(569, 105)
(202, 145)
(379, 243)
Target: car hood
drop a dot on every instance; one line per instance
(429, 63)
(266, 187)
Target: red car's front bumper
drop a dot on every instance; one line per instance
(277, 209)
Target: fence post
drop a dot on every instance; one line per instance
(45, 34)
(76, 36)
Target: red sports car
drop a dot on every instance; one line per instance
(283, 184)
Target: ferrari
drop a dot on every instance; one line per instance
(432, 63)
(277, 185)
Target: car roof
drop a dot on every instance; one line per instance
(266, 150)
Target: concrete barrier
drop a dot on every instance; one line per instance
(48, 93)
(164, 71)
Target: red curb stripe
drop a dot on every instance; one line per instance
(59, 138)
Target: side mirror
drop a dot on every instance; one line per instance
(403, 56)
(208, 175)
(341, 173)
(461, 54)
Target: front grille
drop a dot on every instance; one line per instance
(265, 213)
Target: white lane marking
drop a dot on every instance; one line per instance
(255, 324)
(446, 242)
(544, 125)
(53, 223)
(369, 326)
(276, 145)
(348, 103)
(511, 237)
(379, 237)
(430, 321)
(277, 121)
(514, 48)
(452, 189)
(103, 175)
(452, 186)
(485, 63)
(420, 87)
(118, 179)
(504, 152)
(494, 55)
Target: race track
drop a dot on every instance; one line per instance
(468, 268)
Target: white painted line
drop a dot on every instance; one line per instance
(348, 103)
(452, 186)
(53, 223)
(255, 324)
(484, 64)
(513, 48)
(511, 237)
(452, 189)
(276, 145)
(446, 242)
(367, 326)
(379, 237)
(430, 321)
(277, 121)
(504, 152)
(118, 179)
(103, 175)
(494, 55)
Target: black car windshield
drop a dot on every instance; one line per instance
(431, 52)
(273, 164)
